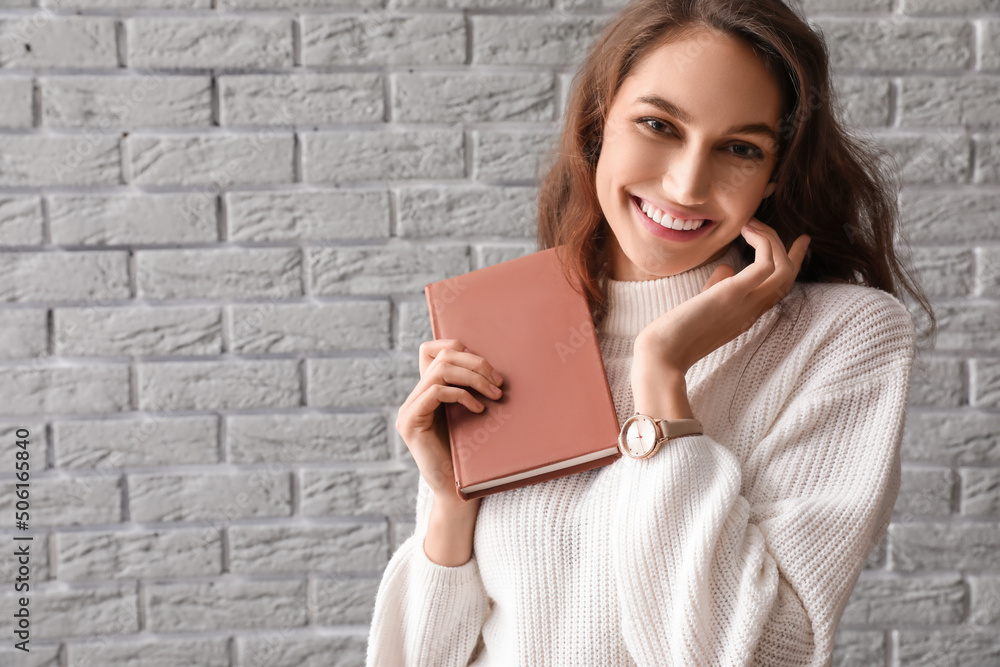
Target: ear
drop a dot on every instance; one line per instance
(769, 190)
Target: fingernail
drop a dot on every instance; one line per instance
(497, 378)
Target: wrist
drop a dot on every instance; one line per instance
(649, 355)
(662, 396)
(454, 508)
(450, 536)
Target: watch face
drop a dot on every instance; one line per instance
(640, 437)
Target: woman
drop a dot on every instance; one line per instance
(740, 545)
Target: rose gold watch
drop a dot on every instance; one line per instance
(642, 435)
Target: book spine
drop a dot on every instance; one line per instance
(430, 290)
(431, 310)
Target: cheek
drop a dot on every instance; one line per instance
(743, 182)
(601, 179)
(751, 173)
(610, 174)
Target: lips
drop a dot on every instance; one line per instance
(658, 230)
(668, 219)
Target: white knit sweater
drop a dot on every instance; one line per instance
(739, 546)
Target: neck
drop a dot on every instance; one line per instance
(633, 304)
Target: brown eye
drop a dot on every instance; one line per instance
(653, 124)
(747, 152)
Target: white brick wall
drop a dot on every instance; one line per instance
(216, 222)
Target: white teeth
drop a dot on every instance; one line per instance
(659, 216)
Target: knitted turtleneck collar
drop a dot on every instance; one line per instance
(632, 304)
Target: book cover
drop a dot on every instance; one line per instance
(556, 416)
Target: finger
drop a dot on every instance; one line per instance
(421, 415)
(784, 278)
(468, 359)
(780, 284)
(430, 349)
(439, 394)
(775, 286)
(762, 266)
(436, 354)
(466, 377)
(778, 252)
(797, 254)
(456, 353)
(459, 369)
(721, 272)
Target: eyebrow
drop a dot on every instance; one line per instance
(668, 107)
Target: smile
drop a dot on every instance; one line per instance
(664, 219)
(666, 227)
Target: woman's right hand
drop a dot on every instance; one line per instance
(446, 368)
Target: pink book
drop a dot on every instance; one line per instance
(556, 416)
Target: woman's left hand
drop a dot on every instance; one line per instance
(728, 305)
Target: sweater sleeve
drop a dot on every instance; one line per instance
(722, 564)
(426, 614)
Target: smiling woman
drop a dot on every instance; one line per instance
(663, 161)
(701, 198)
(712, 73)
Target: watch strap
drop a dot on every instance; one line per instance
(675, 428)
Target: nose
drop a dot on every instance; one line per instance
(687, 178)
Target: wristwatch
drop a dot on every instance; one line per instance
(642, 435)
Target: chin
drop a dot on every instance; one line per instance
(660, 269)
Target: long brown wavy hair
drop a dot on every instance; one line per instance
(829, 184)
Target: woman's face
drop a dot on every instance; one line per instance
(692, 132)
